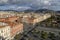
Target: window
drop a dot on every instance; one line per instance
(8, 39)
(1, 31)
(8, 28)
(15, 20)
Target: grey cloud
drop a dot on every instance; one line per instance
(55, 4)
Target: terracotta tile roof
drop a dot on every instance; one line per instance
(3, 26)
(11, 24)
(2, 19)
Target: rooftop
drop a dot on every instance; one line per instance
(2, 24)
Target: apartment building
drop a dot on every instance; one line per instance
(15, 27)
(5, 31)
(35, 18)
(41, 18)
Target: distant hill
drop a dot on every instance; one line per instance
(29, 10)
(58, 11)
(43, 10)
(36, 11)
(9, 10)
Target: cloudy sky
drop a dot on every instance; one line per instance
(29, 4)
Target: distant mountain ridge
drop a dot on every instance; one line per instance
(9, 10)
(36, 11)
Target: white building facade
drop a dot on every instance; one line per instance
(5, 32)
